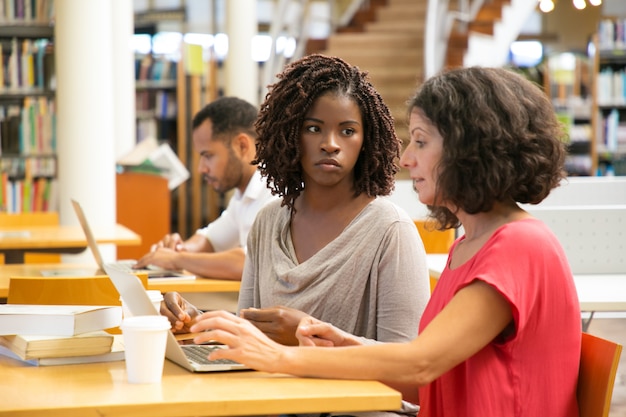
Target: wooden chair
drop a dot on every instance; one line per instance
(599, 359)
(67, 290)
(435, 241)
(38, 218)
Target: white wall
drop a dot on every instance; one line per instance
(405, 197)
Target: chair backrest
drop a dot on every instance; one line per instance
(67, 290)
(598, 366)
(435, 241)
(83, 290)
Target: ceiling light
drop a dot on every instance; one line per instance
(546, 6)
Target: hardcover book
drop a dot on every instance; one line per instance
(57, 320)
(115, 354)
(37, 347)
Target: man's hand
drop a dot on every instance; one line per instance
(173, 241)
(278, 323)
(179, 312)
(163, 258)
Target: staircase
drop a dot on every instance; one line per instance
(489, 14)
(390, 49)
(387, 41)
(489, 35)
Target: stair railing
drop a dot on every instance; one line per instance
(292, 19)
(439, 24)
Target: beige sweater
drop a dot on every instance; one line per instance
(371, 281)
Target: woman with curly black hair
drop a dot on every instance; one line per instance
(283, 115)
(331, 248)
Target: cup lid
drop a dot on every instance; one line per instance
(155, 295)
(146, 322)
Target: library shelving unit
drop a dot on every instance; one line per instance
(155, 97)
(567, 82)
(196, 203)
(28, 163)
(169, 92)
(609, 104)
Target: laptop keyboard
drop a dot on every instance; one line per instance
(125, 266)
(153, 272)
(198, 354)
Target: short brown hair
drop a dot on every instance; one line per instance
(501, 139)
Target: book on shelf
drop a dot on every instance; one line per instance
(57, 320)
(612, 34)
(38, 347)
(116, 353)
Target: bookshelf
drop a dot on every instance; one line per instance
(567, 82)
(609, 106)
(28, 163)
(170, 88)
(155, 97)
(196, 203)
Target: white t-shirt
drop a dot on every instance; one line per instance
(230, 229)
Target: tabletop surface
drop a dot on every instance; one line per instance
(46, 237)
(101, 389)
(164, 285)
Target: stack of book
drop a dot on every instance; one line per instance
(60, 334)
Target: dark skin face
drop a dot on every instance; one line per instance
(331, 141)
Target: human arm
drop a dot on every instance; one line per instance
(314, 332)
(174, 241)
(474, 317)
(227, 264)
(178, 311)
(278, 323)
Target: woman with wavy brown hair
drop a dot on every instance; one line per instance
(500, 336)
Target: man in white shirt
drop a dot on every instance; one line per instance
(224, 136)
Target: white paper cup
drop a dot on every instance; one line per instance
(155, 296)
(144, 347)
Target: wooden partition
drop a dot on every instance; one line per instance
(144, 206)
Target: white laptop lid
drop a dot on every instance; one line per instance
(138, 302)
(153, 272)
(91, 240)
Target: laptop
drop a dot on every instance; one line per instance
(126, 264)
(190, 357)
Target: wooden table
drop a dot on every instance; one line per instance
(101, 389)
(188, 285)
(15, 240)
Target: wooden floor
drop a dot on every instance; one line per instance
(614, 329)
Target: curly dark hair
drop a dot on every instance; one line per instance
(229, 116)
(281, 119)
(501, 140)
